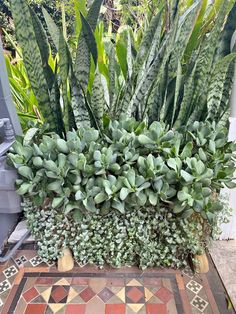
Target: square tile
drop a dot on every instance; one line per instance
(35, 309)
(105, 294)
(10, 271)
(115, 309)
(75, 309)
(87, 294)
(44, 281)
(30, 294)
(164, 295)
(156, 308)
(4, 286)
(35, 261)
(134, 294)
(194, 286)
(21, 260)
(59, 294)
(199, 303)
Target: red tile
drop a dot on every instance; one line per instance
(83, 281)
(164, 294)
(134, 294)
(59, 293)
(115, 309)
(35, 309)
(156, 308)
(44, 281)
(30, 294)
(87, 294)
(75, 309)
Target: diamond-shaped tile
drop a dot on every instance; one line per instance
(164, 295)
(35, 261)
(59, 294)
(135, 295)
(199, 303)
(87, 294)
(105, 294)
(21, 260)
(188, 272)
(4, 286)
(10, 271)
(194, 286)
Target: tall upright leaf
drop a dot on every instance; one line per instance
(82, 62)
(52, 28)
(32, 58)
(97, 99)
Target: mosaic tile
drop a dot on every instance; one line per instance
(35, 261)
(134, 294)
(35, 308)
(199, 303)
(156, 308)
(10, 271)
(194, 286)
(59, 294)
(87, 294)
(164, 294)
(30, 294)
(135, 307)
(115, 309)
(105, 294)
(75, 309)
(21, 260)
(1, 302)
(4, 286)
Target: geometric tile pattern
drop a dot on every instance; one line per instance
(194, 286)
(199, 303)
(61, 296)
(125, 291)
(4, 286)
(10, 271)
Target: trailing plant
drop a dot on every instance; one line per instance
(128, 167)
(167, 76)
(146, 237)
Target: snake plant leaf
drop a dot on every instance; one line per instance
(229, 29)
(64, 65)
(42, 41)
(32, 58)
(185, 28)
(52, 28)
(56, 106)
(82, 61)
(204, 64)
(216, 88)
(129, 55)
(149, 77)
(97, 99)
(112, 77)
(78, 105)
(89, 38)
(147, 39)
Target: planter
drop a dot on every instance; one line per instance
(202, 265)
(9, 200)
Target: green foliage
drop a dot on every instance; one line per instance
(146, 237)
(169, 70)
(128, 167)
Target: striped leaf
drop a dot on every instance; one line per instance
(78, 105)
(112, 76)
(185, 28)
(42, 41)
(216, 88)
(89, 38)
(32, 58)
(64, 70)
(52, 28)
(82, 61)
(97, 99)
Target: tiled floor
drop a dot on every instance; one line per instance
(29, 286)
(224, 256)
